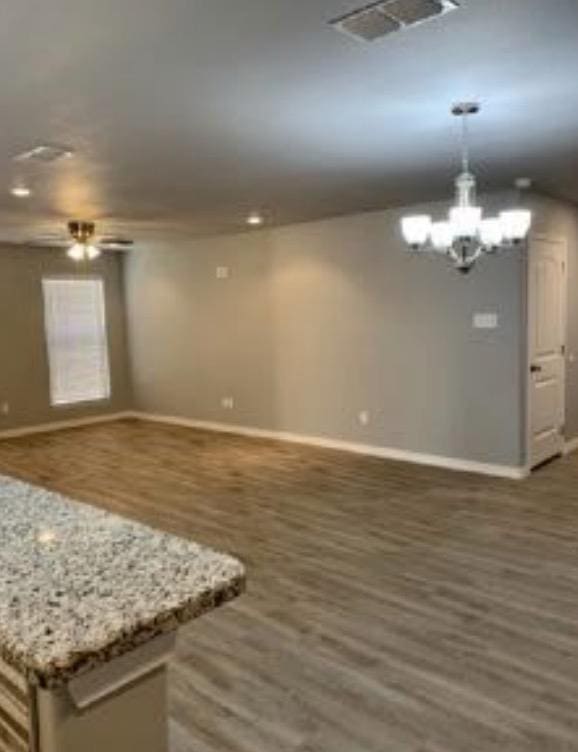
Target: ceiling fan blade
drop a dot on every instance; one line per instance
(49, 241)
(110, 241)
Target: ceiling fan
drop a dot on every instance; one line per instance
(81, 241)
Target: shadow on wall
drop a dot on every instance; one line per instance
(319, 323)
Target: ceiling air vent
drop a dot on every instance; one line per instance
(45, 153)
(380, 19)
(367, 24)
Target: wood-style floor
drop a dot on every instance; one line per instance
(391, 608)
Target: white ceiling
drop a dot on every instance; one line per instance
(188, 114)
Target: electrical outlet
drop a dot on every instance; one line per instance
(363, 417)
(227, 403)
(222, 272)
(5, 408)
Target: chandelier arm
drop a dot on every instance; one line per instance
(470, 259)
(481, 249)
(452, 253)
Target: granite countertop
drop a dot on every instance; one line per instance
(80, 586)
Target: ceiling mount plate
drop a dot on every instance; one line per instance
(466, 108)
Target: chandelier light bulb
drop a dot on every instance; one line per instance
(492, 232)
(465, 221)
(416, 229)
(516, 224)
(442, 236)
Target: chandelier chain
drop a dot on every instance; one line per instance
(465, 144)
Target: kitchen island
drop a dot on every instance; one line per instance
(90, 604)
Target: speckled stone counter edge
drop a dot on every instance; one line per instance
(57, 676)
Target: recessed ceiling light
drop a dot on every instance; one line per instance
(523, 184)
(21, 191)
(255, 219)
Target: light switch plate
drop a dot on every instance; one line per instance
(485, 320)
(222, 272)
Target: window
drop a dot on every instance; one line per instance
(74, 317)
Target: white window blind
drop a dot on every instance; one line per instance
(75, 321)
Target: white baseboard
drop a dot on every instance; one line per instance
(450, 463)
(59, 425)
(402, 455)
(571, 446)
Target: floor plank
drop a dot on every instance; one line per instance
(390, 607)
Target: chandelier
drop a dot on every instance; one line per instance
(466, 234)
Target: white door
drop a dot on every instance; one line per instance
(546, 348)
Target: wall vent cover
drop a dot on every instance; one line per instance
(377, 20)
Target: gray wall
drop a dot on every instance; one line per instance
(557, 219)
(316, 323)
(24, 382)
(320, 321)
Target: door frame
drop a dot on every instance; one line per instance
(559, 239)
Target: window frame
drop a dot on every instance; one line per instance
(71, 405)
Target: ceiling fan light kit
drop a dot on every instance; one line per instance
(82, 249)
(466, 235)
(82, 252)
